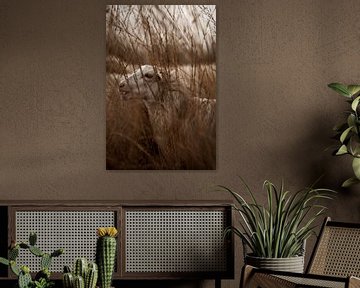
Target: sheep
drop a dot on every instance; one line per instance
(153, 84)
(142, 84)
(170, 102)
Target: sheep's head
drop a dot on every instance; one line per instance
(144, 84)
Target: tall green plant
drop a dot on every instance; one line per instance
(348, 132)
(279, 229)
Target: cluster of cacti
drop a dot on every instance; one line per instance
(42, 278)
(106, 254)
(84, 275)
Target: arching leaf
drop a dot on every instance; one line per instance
(340, 88)
(355, 103)
(342, 150)
(353, 89)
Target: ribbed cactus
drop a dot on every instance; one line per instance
(68, 280)
(80, 267)
(91, 276)
(106, 254)
(84, 274)
(79, 282)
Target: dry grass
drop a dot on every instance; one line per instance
(161, 135)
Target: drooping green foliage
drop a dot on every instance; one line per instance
(279, 229)
(348, 132)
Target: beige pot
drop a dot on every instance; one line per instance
(291, 264)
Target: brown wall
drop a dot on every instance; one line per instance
(275, 113)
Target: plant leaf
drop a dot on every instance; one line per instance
(340, 88)
(4, 261)
(355, 103)
(345, 134)
(342, 150)
(353, 89)
(349, 182)
(356, 167)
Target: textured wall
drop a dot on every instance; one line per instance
(275, 112)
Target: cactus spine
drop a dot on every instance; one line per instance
(106, 254)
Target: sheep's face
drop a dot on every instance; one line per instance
(142, 84)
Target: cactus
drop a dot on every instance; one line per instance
(14, 268)
(45, 261)
(13, 253)
(91, 276)
(32, 238)
(42, 278)
(36, 251)
(24, 280)
(80, 268)
(79, 282)
(89, 272)
(106, 254)
(68, 280)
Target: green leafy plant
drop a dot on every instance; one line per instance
(348, 132)
(42, 278)
(279, 229)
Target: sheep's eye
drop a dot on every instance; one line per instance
(149, 75)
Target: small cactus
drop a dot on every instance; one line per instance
(32, 238)
(24, 277)
(45, 261)
(81, 266)
(88, 273)
(106, 254)
(36, 251)
(79, 282)
(42, 278)
(13, 253)
(91, 276)
(68, 280)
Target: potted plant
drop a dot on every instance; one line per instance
(276, 233)
(348, 132)
(42, 278)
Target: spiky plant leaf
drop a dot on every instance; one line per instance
(340, 88)
(280, 228)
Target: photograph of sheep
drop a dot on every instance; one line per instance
(161, 87)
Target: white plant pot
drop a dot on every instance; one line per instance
(291, 264)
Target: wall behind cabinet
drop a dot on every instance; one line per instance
(275, 113)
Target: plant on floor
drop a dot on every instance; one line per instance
(279, 229)
(85, 275)
(42, 278)
(106, 254)
(348, 132)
